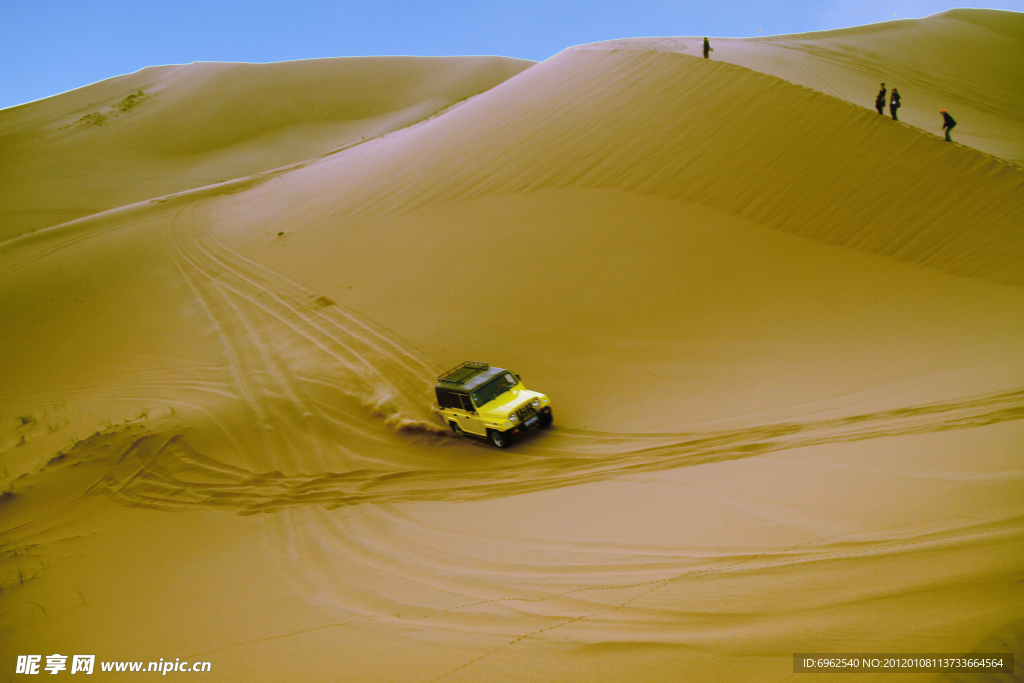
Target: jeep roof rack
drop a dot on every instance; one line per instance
(463, 372)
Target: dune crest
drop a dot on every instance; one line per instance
(964, 60)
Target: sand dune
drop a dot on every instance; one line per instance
(171, 128)
(787, 383)
(654, 124)
(962, 60)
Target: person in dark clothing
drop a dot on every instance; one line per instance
(947, 124)
(707, 48)
(894, 103)
(880, 100)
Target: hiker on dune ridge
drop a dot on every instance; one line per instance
(947, 124)
(894, 104)
(880, 100)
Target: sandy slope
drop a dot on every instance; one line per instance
(171, 128)
(788, 395)
(965, 61)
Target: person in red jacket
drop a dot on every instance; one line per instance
(947, 123)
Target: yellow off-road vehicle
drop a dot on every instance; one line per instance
(490, 403)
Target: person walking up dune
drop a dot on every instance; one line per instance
(707, 48)
(894, 104)
(947, 124)
(880, 100)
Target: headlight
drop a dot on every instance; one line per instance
(536, 403)
(512, 417)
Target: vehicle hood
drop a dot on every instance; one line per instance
(512, 400)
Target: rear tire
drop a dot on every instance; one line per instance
(456, 428)
(499, 439)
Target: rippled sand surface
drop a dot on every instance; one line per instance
(781, 335)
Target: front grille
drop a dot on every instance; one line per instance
(526, 413)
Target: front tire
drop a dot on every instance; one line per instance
(546, 418)
(499, 439)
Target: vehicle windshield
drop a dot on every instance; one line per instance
(493, 389)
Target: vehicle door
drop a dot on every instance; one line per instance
(469, 418)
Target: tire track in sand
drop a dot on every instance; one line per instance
(274, 331)
(311, 375)
(177, 476)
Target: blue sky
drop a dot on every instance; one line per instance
(50, 46)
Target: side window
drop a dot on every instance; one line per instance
(444, 398)
(467, 404)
